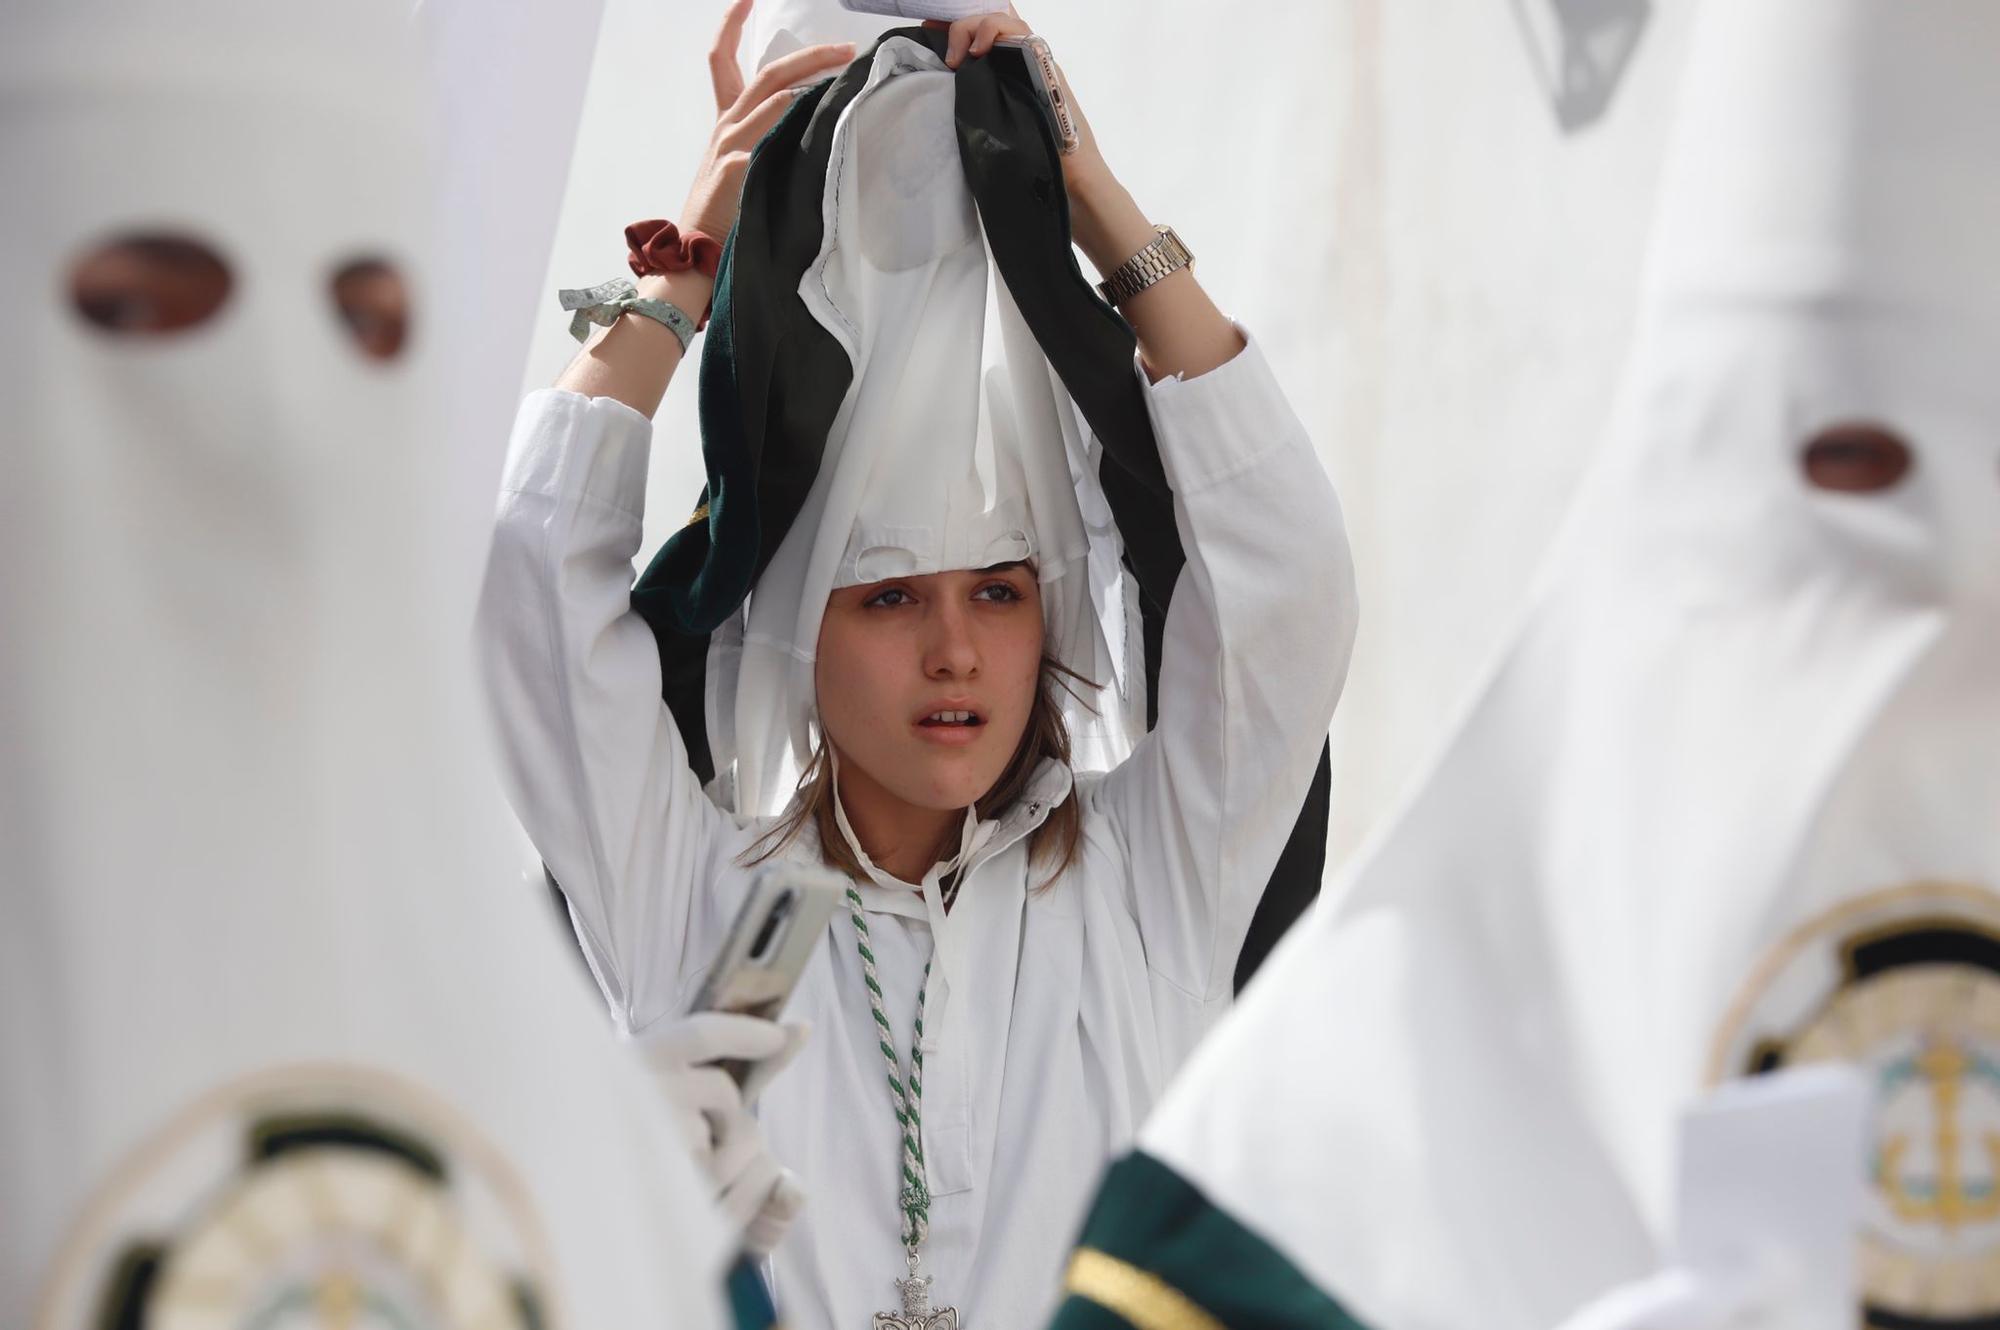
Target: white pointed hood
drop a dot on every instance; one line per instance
(268, 971)
(1735, 776)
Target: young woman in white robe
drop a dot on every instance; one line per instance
(1072, 945)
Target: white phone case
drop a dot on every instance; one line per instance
(920, 9)
(777, 928)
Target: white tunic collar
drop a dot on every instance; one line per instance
(978, 841)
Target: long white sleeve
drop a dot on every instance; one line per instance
(593, 762)
(1258, 636)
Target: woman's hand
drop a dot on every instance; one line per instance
(744, 114)
(1108, 225)
(1179, 328)
(972, 38)
(633, 360)
(755, 1192)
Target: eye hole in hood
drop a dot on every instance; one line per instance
(374, 306)
(1856, 457)
(146, 284)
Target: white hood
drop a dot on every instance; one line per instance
(1747, 726)
(256, 873)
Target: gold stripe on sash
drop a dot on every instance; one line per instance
(1143, 1299)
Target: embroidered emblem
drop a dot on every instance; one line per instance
(324, 1195)
(1904, 984)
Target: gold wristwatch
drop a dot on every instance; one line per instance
(1164, 257)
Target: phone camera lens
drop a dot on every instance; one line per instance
(774, 923)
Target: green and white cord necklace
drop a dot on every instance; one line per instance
(906, 1096)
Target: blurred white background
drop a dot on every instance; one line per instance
(1431, 214)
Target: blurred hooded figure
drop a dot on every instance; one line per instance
(279, 1044)
(1729, 803)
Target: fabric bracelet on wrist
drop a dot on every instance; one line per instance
(605, 304)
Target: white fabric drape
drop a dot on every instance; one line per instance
(1737, 703)
(955, 448)
(251, 867)
(506, 82)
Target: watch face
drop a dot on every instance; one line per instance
(331, 1198)
(1905, 985)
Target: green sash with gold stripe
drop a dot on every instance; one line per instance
(1158, 1255)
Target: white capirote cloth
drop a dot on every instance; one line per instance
(1053, 1017)
(955, 447)
(1737, 703)
(253, 864)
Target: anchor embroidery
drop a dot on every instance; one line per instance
(1947, 1199)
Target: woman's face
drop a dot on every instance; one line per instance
(926, 683)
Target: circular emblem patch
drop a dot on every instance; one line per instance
(316, 1196)
(1904, 984)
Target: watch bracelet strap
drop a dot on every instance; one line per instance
(606, 303)
(1165, 256)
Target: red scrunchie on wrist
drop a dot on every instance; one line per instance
(659, 246)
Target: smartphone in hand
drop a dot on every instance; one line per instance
(1049, 86)
(779, 924)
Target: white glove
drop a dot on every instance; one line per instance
(759, 1197)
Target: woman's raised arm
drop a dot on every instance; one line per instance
(591, 758)
(1260, 624)
(633, 360)
(1181, 332)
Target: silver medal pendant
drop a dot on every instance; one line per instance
(918, 1314)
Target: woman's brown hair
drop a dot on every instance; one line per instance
(1046, 737)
